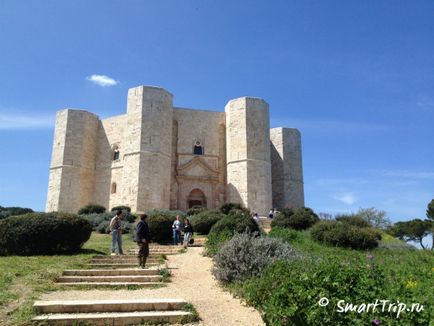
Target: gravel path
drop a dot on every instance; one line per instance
(191, 280)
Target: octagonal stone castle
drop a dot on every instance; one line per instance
(160, 156)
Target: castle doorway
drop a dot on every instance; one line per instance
(196, 198)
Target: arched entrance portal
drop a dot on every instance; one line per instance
(196, 198)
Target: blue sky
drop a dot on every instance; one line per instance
(356, 77)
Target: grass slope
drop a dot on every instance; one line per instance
(23, 279)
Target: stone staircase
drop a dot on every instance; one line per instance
(115, 271)
(111, 312)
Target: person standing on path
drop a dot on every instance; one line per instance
(188, 232)
(142, 237)
(176, 226)
(116, 230)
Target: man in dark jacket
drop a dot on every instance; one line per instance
(142, 237)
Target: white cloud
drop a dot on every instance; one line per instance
(102, 80)
(21, 121)
(347, 198)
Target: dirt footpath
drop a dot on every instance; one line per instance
(191, 280)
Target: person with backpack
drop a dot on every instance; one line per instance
(142, 237)
(188, 232)
(116, 230)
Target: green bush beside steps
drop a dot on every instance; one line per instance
(43, 234)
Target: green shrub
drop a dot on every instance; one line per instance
(341, 234)
(160, 224)
(97, 219)
(195, 210)
(165, 212)
(121, 208)
(353, 220)
(247, 255)
(227, 207)
(226, 227)
(281, 220)
(237, 223)
(160, 227)
(286, 235)
(128, 227)
(43, 233)
(288, 293)
(203, 221)
(216, 240)
(300, 219)
(91, 209)
(103, 227)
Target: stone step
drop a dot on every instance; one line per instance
(131, 256)
(155, 253)
(119, 265)
(111, 284)
(100, 279)
(120, 261)
(161, 251)
(86, 306)
(114, 318)
(110, 272)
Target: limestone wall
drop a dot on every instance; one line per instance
(109, 171)
(72, 170)
(248, 153)
(287, 171)
(148, 146)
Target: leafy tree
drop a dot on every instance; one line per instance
(430, 215)
(430, 210)
(375, 217)
(413, 230)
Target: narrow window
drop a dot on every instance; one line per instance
(116, 154)
(113, 188)
(198, 149)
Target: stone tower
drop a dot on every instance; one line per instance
(287, 171)
(72, 169)
(147, 148)
(248, 154)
